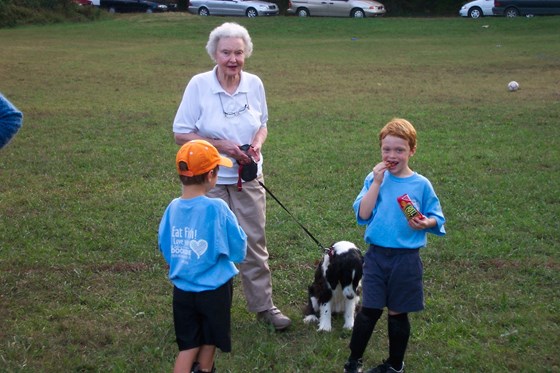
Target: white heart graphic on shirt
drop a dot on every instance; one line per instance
(199, 247)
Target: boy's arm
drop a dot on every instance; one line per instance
(369, 200)
(164, 237)
(367, 204)
(237, 239)
(422, 223)
(433, 215)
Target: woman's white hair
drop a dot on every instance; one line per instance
(228, 30)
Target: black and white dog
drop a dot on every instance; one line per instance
(336, 286)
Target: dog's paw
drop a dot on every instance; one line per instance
(348, 326)
(310, 319)
(324, 328)
(325, 325)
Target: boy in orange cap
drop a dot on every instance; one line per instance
(200, 239)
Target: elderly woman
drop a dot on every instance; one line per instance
(227, 107)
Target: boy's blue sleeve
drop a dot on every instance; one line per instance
(10, 120)
(433, 210)
(164, 237)
(356, 206)
(237, 239)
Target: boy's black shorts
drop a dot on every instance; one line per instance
(203, 318)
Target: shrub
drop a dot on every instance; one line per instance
(21, 12)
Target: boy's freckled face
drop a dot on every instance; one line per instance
(395, 152)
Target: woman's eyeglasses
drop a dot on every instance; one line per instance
(234, 113)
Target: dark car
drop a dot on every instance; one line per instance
(514, 8)
(122, 6)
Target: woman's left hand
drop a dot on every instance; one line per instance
(255, 152)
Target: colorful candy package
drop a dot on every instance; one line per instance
(408, 208)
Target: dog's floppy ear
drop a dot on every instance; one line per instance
(333, 272)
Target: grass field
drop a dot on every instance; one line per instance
(85, 182)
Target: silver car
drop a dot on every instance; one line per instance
(247, 8)
(336, 8)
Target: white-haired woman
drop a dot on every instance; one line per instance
(227, 107)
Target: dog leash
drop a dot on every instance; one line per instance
(293, 217)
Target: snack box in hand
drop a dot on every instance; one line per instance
(408, 208)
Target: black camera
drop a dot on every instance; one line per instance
(248, 172)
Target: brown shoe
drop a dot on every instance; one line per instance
(274, 317)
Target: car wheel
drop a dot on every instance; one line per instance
(475, 12)
(357, 13)
(511, 12)
(203, 12)
(112, 10)
(302, 12)
(251, 13)
(149, 10)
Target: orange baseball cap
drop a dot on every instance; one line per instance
(200, 157)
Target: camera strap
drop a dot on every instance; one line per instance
(239, 181)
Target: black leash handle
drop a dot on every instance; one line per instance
(293, 217)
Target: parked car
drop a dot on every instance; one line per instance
(145, 6)
(83, 2)
(477, 9)
(514, 8)
(248, 8)
(336, 8)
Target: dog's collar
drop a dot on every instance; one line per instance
(330, 251)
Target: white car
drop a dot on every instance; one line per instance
(477, 9)
(336, 8)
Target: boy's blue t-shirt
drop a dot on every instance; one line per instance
(10, 120)
(388, 226)
(200, 238)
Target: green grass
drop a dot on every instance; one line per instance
(85, 182)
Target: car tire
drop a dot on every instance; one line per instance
(149, 10)
(475, 12)
(251, 13)
(511, 12)
(302, 12)
(357, 13)
(203, 11)
(112, 10)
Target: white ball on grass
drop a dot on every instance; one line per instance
(513, 86)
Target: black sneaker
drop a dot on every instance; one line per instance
(353, 366)
(386, 368)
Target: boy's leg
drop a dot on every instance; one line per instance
(362, 331)
(406, 294)
(185, 360)
(399, 333)
(206, 358)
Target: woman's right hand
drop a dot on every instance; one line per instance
(232, 149)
